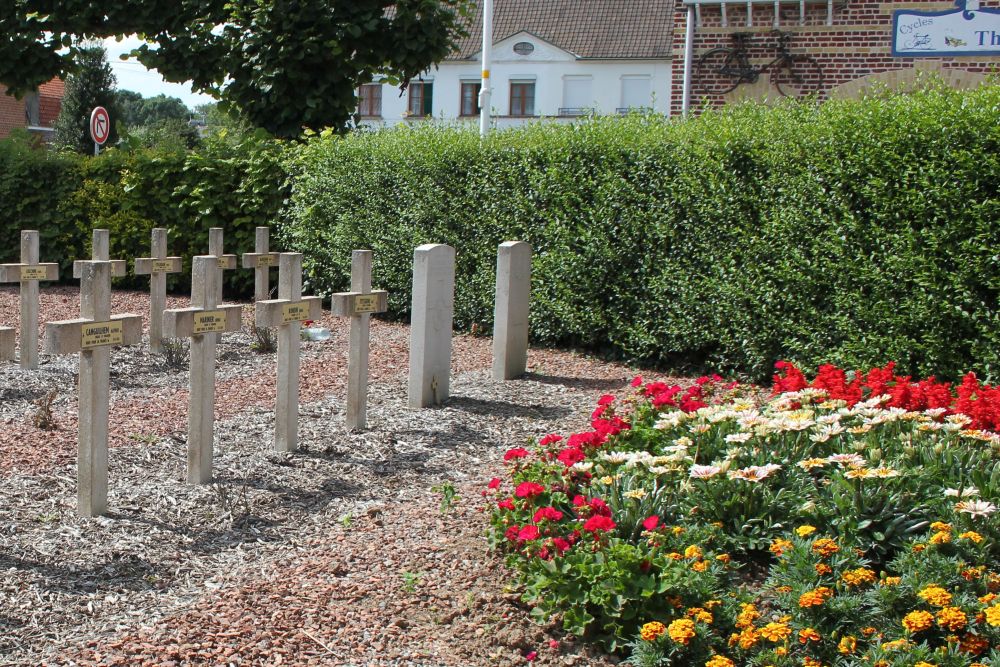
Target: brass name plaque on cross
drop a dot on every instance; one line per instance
(265, 261)
(33, 273)
(101, 334)
(210, 321)
(162, 266)
(365, 303)
(294, 312)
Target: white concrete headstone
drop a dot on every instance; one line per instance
(510, 317)
(431, 324)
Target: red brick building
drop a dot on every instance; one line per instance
(35, 112)
(850, 41)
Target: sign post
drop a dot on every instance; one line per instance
(100, 127)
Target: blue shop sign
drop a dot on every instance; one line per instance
(964, 31)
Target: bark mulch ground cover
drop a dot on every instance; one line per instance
(344, 553)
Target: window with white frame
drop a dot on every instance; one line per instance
(578, 95)
(636, 92)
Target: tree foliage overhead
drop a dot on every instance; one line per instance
(284, 64)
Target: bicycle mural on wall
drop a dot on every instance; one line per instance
(721, 70)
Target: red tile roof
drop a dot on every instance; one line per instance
(611, 29)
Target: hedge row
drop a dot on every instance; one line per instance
(237, 184)
(854, 233)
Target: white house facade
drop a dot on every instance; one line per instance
(550, 60)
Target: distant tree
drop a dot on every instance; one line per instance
(283, 65)
(137, 110)
(91, 84)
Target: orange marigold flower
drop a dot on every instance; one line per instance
(917, 621)
(936, 596)
(783, 589)
(971, 535)
(747, 638)
(940, 538)
(896, 644)
(807, 635)
(779, 546)
(681, 630)
(748, 614)
(972, 573)
(699, 566)
(924, 664)
(805, 531)
(868, 631)
(891, 581)
(847, 645)
(973, 644)
(673, 555)
(825, 547)
(693, 552)
(815, 598)
(822, 568)
(652, 631)
(940, 527)
(811, 662)
(918, 547)
(775, 632)
(993, 615)
(699, 614)
(723, 558)
(712, 604)
(858, 577)
(988, 598)
(719, 661)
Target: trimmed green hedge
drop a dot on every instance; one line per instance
(237, 184)
(852, 233)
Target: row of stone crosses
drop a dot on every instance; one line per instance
(97, 331)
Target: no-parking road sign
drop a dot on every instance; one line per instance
(100, 125)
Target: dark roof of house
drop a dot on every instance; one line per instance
(586, 28)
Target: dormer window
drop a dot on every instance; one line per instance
(524, 48)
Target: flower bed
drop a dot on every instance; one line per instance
(847, 520)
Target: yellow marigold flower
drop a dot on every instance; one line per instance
(825, 547)
(925, 664)
(971, 535)
(719, 661)
(891, 581)
(815, 598)
(847, 645)
(677, 530)
(779, 546)
(699, 614)
(896, 644)
(988, 598)
(652, 631)
(952, 618)
(693, 552)
(747, 616)
(747, 638)
(807, 635)
(917, 621)
(775, 632)
(724, 558)
(805, 531)
(936, 596)
(681, 631)
(712, 604)
(822, 568)
(943, 537)
(941, 527)
(858, 577)
(699, 566)
(673, 555)
(783, 589)
(811, 662)
(973, 644)
(993, 615)
(781, 650)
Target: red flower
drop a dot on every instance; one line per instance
(598, 523)
(528, 490)
(550, 513)
(515, 453)
(549, 439)
(560, 545)
(636, 381)
(527, 534)
(531, 656)
(571, 455)
(506, 504)
(651, 523)
(511, 532)
(606, 399)
(494, 483)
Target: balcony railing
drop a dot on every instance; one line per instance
(575, 111)
(622, 111)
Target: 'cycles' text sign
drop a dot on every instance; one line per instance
(963, 31)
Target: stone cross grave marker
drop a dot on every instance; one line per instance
(29, 272)
(157, 267)
(431, 324)
(359, 304)
(287, 313)
(261, 260)
(510, 316)
(202, 323)
(226, 262)
(100, 252)
(92, 336)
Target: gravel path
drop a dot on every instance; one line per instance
(340, 554)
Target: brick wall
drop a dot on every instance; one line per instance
(856, 46)
(12, 110)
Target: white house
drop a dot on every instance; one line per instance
(557, 59)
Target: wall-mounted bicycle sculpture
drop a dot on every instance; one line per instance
(720, 70)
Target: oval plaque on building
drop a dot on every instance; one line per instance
(524, 48)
